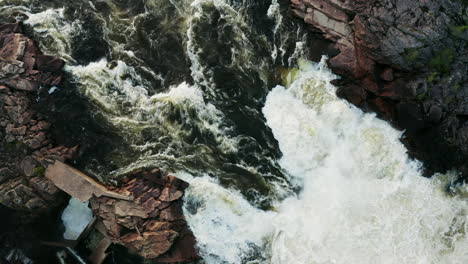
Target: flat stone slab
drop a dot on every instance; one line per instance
(77, 184)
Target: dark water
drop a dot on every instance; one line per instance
(187, 86)
(232, 51)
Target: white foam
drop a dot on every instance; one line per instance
(123, 97)
(76, 217)
(226, 225)
(51, 25)
(363, 199)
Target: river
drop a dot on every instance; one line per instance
(222, 94)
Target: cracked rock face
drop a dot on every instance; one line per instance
(407, 61)
(153, 224)
(26, 146)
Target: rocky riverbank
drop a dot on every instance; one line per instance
(30, 202)
(27, 147)
(28, 199)
(406, 60)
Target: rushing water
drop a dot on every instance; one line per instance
(362, 199)
(287, 174)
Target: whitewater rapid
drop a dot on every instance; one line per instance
(362, 199)
(343, 191)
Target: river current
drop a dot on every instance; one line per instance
(221, 94)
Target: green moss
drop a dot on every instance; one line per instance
(421, 97)
(442, 60)
(432, 76)
(449, 99)
(16, 146)
(411, 55)
(10, 147)
(39, 171)
(459, 31)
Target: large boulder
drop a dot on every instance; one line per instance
(407, 60)
(152, 225)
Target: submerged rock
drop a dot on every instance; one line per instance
(153, 224)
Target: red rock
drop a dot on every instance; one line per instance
(38, 140)
(14, 112)
(151, 205)
(370, 85)
(14, 46)
(31, 48)
(387, 75)
(183, 250)
(169, 195)
(29, 62)
(126, 208)
(20, 131)
(25, 118)
(54, 80)
(298, 5)
(152, 193)
(49, 63)
(4, 89)
(18, 78)
(150, 244)
(328, 9)
(10, 28)
(7, 100)
(384, 107)
(154, 232)
(23, 84)
(41, 126)
(21, 101)
(172, 213)
(352, 93)
(345, 63)
(155, 225)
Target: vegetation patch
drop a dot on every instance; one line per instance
(39, 171)
(432, 76)
(15, 146)
(442, 60)
(459, 31)
(411, 55)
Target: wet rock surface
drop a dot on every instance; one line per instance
(26, 145)
(153, 224)
(407, 61)
(30, 203)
